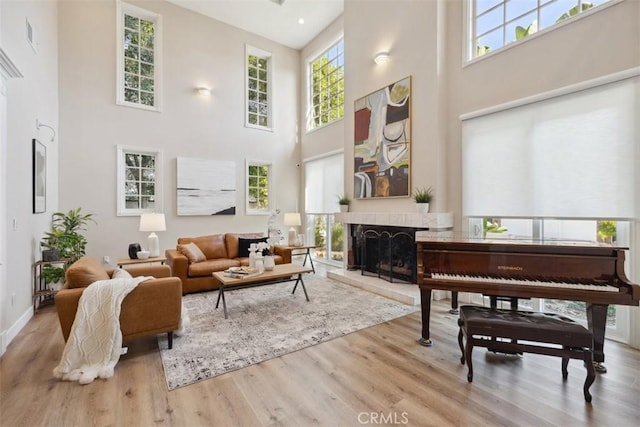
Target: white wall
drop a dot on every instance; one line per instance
(35, 96)
(408, 30)
(196, 51)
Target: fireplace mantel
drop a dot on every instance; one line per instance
(431, 221)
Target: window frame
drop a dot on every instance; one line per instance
(128, 9)
(268, 57)
(470, 50)
(122, 151)
(311, 116)
(270, 186)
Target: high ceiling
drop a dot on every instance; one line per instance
(276, 20)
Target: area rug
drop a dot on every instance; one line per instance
(266, 322)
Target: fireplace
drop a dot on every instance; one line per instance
(386, 252)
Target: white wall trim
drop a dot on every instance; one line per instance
(7, 67)
(323, 155)
(7, 336)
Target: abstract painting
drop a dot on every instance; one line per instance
(39, 177)
(382, 152)
(206, 187)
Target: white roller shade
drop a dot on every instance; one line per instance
(572, 156)
(324, 181)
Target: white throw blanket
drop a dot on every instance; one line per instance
(93, 348)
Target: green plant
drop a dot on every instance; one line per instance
(423, 195)
(52, 274)
(65, 234)
(490, 226)
(343, 199)
(607, 231)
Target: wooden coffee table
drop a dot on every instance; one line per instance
(280, 273)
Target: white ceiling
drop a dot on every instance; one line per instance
(269, 19)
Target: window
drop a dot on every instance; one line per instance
(139, 64)
(324, 182)
(327, 86)
(496, 23)
(259, 188)
(139, 180)
(258, 88)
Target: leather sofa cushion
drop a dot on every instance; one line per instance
(192, 251)
(232, 240)
(205, 268)
(212, 246)
(84, 272)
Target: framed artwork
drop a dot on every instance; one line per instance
(39, 165)
(206, 187)
(382, 138)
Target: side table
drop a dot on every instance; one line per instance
(40, 291)
(306, 253)
(126, 261)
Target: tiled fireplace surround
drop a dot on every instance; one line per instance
(403, 292)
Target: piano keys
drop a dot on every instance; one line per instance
(513, 268)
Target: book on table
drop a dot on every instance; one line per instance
(241, 272)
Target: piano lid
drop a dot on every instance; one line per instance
(463, 239)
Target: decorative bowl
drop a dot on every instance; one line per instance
(143, 254)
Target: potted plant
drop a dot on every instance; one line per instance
(423, 197)
(343, 201)
(53, 276)
(65, 236)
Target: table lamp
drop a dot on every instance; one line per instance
(153, 222)
(292, 219)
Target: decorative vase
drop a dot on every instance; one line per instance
(252, 255)
(260, 264)
(269, 262)
(344, 208)
(422, 207)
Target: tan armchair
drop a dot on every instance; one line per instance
(153, 307)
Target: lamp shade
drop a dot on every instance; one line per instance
(292, 219)
(152, 222)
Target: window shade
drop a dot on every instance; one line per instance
(324, 182)
(572, 156)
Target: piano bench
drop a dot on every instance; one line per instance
(545, 333)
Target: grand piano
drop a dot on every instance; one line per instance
(516, 268)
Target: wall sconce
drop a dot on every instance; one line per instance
(42, 125)
(204, 91)
(382, 58)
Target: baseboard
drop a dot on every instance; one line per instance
(7, 336)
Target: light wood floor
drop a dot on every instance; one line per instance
(377, 376)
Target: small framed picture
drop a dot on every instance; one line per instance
(39, 177)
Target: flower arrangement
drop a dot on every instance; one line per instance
(264, 248)
(343, 200)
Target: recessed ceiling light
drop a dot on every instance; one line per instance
(300, 21)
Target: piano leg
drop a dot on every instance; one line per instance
(425, 301)
(597, 323)
(454, 303)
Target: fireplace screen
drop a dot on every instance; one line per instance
(387, 252)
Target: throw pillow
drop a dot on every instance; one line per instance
(243, 245)
(121, 273)
(192, 251)
(84, 272)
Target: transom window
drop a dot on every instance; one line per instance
(138, 57)
(259, 188)
(258, 88)
(139, 180)
(327, 86)
(497, 23)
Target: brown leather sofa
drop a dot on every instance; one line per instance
(221, 252)
(153, 307)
